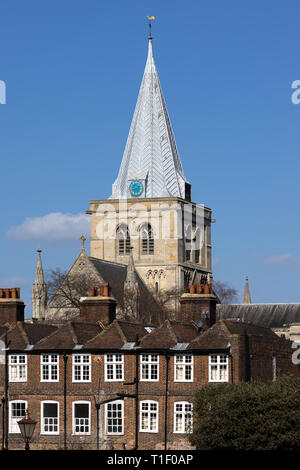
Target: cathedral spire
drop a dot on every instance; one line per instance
(246, 296)
(39, 291)
(151, 165)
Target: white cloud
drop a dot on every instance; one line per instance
(13, 281)
(52, 227)
(285, 258)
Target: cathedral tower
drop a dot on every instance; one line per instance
(150, 208)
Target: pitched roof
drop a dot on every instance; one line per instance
(68, 336)
(215, 338)
(218, 336)
(151, 153)
(113, 273)
(268, 315)
(25, 334)
(116, 336)
(168, 335)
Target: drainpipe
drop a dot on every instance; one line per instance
(3, 421)
(136, 401)
(5, 405)
(232, 367)
(97, 405)
(136, 397)
(65, 358)
(166, 399)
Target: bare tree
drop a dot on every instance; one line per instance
(145, 305)
(225, 293)
(65, 291)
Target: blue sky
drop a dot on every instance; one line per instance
(72, 71)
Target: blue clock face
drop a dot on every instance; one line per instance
(136, 188)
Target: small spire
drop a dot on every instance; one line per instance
(39, 273)
(39, 291)
(83, 239)
(246, 296)
(131, 276)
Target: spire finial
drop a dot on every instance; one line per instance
(150, 18)
(82, 238)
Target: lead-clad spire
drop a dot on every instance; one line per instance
(151, 156)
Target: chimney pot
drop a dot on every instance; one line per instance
(99, 309)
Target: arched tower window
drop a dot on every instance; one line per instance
(147, 240)
(123, 239)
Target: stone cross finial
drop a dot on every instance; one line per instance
(82, 238)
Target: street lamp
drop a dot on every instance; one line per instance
(27, 426)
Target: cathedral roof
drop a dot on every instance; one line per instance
(268, 315)
(151, 153)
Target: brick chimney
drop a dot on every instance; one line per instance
(100, 306)
(199, 304)
(11, 306)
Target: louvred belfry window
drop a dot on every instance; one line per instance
(123, 240)
(147, 240)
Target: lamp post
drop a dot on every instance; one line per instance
(27, 426)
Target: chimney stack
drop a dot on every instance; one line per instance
(199, 304)
(100, 306)
(11, 306)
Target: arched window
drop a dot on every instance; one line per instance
(123, 239)
(147, 240)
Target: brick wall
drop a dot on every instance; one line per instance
(251, 357)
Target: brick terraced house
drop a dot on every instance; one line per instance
(103, 383)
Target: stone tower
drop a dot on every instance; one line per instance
(150, 208)
(39, 291)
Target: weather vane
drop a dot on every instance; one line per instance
(150, 18)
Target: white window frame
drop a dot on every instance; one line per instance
(149, 402)
(42, 417)
(107, 405)
(150, 364)
(218, 365)
(185, 366)
(17, 365)
(114, 363)
(51, 365)
(80, 402)
(81, 364)
(10, 423)
(184, 413)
